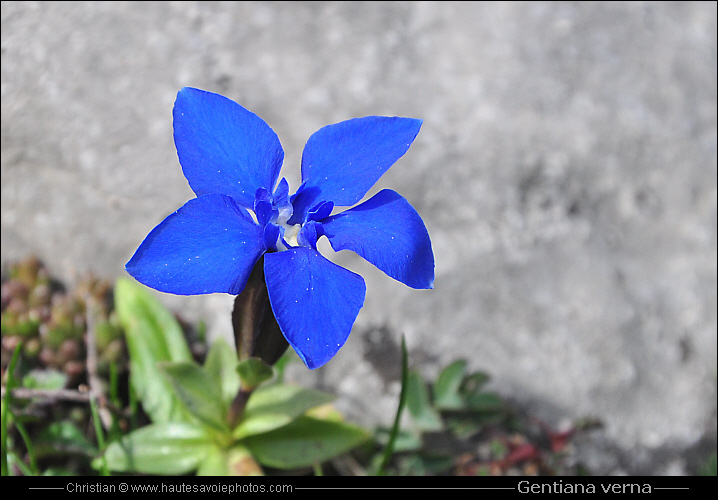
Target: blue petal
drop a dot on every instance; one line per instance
(341, 162)
(281, 200)
(224, 148)
(263, 207)
(271, 236)
(386, 231)
(314, 300)
(281, 194)
(309, 234)
(321, 211)
(209, 245)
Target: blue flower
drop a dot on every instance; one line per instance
(231, 159)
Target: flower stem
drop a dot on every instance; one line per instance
(236, 409)
(256, 333)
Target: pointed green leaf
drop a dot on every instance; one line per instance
(214, 463)
(305, 442)
(258, 424)
(274, 406)
(474, 383)
(221, 366)
(197, 392)
(237, 461)
(153, 335)
(164, 448)
(253, 371)
(446, 388)
(484, 402)
(424, 415)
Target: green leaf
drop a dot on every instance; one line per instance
(237, 461)
(273, 406)
(484, 402)
(214, 463)
(305, 442)
(17, 464)
(466, 426)
(221, 366)
(6, 415)
(63, 437)
(405, 440)
(252, 372)
(197, 392)
(424, 415)
(474, 383)
(153, 335)
(57, 471)
(44, 379)
(446, 388)
(163, 448)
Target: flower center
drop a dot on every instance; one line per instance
(290, 237)
(274, 213)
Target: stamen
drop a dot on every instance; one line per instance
(290, 234)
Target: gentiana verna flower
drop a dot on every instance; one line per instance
(231, 159)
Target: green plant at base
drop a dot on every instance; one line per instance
(190, 405)
(47, 411)
(458, 427)
(455, 406)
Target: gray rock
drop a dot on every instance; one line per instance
(566, 171)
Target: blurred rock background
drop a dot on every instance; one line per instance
(566, 171)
